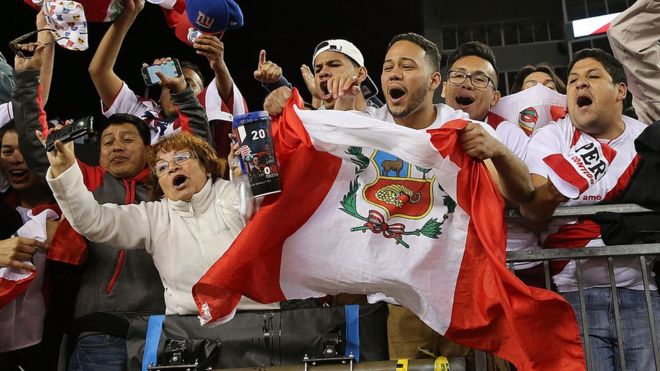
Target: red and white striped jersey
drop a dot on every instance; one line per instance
(561, 137)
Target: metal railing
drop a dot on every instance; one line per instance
(642, 251)
(426, 364)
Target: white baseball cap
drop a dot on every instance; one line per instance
(369, 88)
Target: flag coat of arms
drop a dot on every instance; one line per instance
(372, 207)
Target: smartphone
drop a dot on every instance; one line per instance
(77, 129)
(171, 68)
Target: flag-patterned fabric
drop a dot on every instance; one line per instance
(531, 108)
(372, 207)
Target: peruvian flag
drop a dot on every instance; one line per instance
(531, 108)
(63, 248)
(372, 207)
(22, 306)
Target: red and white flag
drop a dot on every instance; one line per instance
(531, 108)
(373, 207)
(22, 307)
(574, 172)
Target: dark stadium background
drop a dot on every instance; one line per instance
(288, 30)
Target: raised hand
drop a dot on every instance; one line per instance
(308, 77)
(174, 84)
(267, 72)
(41, 20)
(212, 48)
(62, 157)
(29, 63)
(132, 7)
(232, 158)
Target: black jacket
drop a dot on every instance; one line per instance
(644, 190)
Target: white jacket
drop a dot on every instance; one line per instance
(184, 238)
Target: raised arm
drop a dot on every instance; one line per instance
(48, 57)
(189, 109)
(269, 74)
(213, 49)
(108, 223)
(28, 107)
(101, 71)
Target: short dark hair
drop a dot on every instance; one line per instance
(477, 49)
(9, 126)
(127, 118)
(541, 67)
(191, 66)
(613, 67)
(432, 52)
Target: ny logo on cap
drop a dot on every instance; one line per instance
(204, 20)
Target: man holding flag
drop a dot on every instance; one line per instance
(429, 235)
(585, 158)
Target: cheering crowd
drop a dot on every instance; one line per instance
(135, 233)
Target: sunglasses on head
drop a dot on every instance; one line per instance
(17, 44)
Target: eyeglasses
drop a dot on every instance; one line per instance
(178, 158)
(478, 80)
(16, 45)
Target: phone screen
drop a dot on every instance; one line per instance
(167, 69)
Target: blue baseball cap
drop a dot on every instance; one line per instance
(214, 16)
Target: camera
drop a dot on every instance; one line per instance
(79, 128)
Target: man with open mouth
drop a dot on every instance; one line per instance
(338, 69)
(595, 93)
(409, 78)
(471, 86)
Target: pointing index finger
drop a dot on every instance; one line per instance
(262, 57)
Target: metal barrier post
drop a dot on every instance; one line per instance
(649, 309)
(583, 314)
(546, 273)
(617, 316)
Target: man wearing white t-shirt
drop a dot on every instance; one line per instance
(411, 74)
(595, 133)
(471, 86)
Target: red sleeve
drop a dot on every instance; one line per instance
(92, 175)
(67, 245)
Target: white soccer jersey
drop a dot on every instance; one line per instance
(561, 137)
(127, 101)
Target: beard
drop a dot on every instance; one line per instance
(415, 101)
